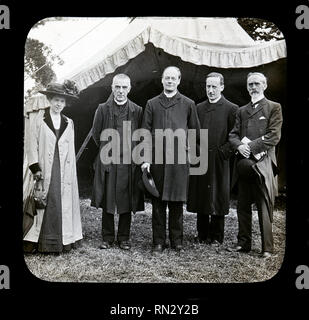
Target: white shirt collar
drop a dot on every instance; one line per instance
(120, 103)
(170, 95)
(214, 101)
(257, 98)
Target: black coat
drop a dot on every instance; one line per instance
(104, 119)
(179, 113)
(210, 193)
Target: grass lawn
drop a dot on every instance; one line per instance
(199, 263)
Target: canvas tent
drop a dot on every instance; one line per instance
(196, 45)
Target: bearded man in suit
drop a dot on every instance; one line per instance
(254, 137)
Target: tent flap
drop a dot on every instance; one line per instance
(219, 56)
(210, 49)
(108, 65)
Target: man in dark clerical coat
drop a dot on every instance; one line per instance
(256, 132)
(209, 194)
(169, 110)
(115, 187)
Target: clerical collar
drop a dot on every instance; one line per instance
(214, 101)
(170, 95)
(120, 103)
(257, 99)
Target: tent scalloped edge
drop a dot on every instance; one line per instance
(213, 56)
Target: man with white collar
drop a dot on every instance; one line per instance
(257, 131)
(209, 194)
(169, 110)
(115, 187)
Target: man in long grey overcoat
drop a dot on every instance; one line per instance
(209, 194)
(115, 187)
(169, 110)
(254, 137)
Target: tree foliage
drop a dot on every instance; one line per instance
(39, 60)
(37, 65)
(260, 30)
(44, 21)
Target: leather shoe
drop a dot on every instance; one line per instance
(177, 247)
(266, 254)
(158, 248)
(215, 244)
(106, 245)
(241, 249)
(201, 241)
(124, 245)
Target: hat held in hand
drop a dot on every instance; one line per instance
(149, 183)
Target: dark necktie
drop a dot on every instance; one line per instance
(254, 105)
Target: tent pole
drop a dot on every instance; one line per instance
(81, 149)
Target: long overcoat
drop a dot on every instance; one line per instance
(104, 119)
(171, 179)
(40, 147)
(210, 193)
(262, 126)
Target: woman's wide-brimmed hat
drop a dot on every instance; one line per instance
(68, 89)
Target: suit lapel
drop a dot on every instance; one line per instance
(249, 109)
(49, 122)
(47, 119)
(63, 125)
(259, 107)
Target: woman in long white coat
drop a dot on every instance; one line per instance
(50, 155)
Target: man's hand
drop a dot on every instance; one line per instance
(146, 166)
(38, 176)
(244, 150)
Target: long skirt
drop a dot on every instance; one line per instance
(50, 239)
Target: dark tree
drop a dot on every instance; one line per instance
(39, 60)
(260, 29)
(36, 63)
